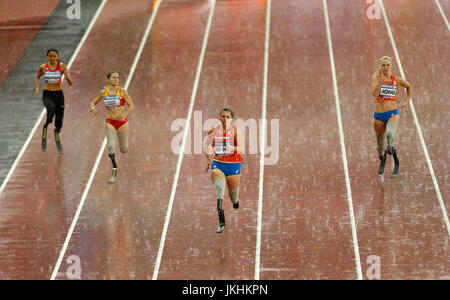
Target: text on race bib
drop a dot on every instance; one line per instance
(388, 90)
(221, 145)
(112, 101)
(52, 76)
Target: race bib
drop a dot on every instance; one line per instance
(52, 76)
(112, 101)
(388, 90)
(221, 147)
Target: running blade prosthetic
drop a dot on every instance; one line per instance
(221, 212)
(397, 163)
(44, 139)
(58, 143)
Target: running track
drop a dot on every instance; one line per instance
(311, 214)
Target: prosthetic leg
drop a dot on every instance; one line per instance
(391, 151)
(114, 170)
(382, 163)
(44, 138)
(221, 216)
(58, 142)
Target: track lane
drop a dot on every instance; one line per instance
(306, 232)
(231, 75)
(429, 60)
(398, 220)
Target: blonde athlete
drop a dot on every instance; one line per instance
(386, 115)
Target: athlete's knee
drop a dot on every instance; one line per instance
(49, 118)
(123, 141)
(123, 147)
(110, 140)
(390, 132)
(111, 148)
(381, 139)
(234, 194)
(219, 184)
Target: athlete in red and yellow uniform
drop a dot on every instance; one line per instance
(225, 161)
(115, 99)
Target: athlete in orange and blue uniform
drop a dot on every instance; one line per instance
(115, 99)
(225, 161)
(386, 115)
(388, 92)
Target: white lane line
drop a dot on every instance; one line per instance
(102, 149)
(41, 116)
(183, 143)
(416, 121)
(344, 153)
(443, 14)
(262, 144)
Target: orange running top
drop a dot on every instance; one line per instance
(221, 142)
(388, 91)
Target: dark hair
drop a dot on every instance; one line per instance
(52, 50)
(229, 109)
(110, 73)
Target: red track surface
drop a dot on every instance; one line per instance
(306, 227)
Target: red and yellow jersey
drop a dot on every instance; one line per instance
(221, 142)
(113, 101)
(388, 91)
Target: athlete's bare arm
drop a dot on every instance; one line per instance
(239, 148)
(97, 100)
(38, 76)
(376, 83)
(129, 102)
(402, 82)
(66, 73)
